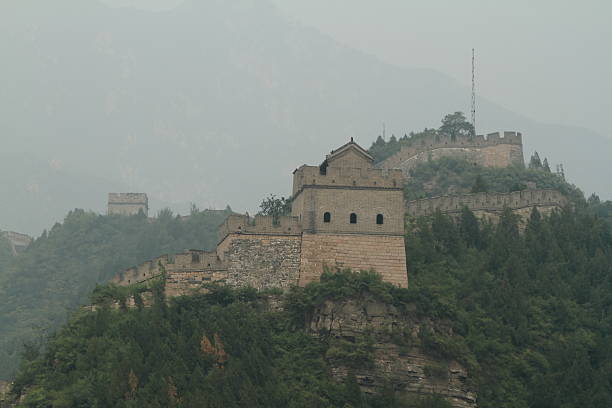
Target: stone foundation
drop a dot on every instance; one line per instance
(262, 261)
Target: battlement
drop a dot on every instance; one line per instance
(19, 242)
(336, 177)
(195, 259)
(260, 224)
(141, 273)
(127, 203)
(490, 202)
(417, 146)
(345, 213)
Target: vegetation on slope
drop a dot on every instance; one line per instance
(59, 269)
(454, 125)
(532, 317)
(6, 254)
(449, 175)
(532, 311)
(221, 349)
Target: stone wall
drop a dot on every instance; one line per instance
(340, 202)
(190, 270)
(260, 224)
(143, 272)
(127, 203)
(19, 242)
(261, 260)
(493, 151)
(483, 203)
(385, 254)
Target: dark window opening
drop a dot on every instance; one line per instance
(380, 219)
(195, 258)
(353, 218)
(327, 217)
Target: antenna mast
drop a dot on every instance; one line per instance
(473, 94)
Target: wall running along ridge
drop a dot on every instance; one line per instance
(496, 150)
(345, 214)
(490, 205)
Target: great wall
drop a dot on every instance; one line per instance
(18, 242)
(499, 149)
(346, 213)
(489, 205)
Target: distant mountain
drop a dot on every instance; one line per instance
(216, 102)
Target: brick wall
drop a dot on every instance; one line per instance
(313, 203)
(493, 151)
(385, 254)
(487, 202)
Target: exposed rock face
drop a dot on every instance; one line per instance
(398, 360)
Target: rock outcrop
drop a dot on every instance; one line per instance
(397, 356)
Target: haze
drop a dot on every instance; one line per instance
(547, 59)
(217, 102)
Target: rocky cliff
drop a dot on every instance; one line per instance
(393, 340)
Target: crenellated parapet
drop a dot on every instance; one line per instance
(141, 273)
(337, 177)
(498, 149)
(345, 214)
(487, 202)
(260, 224)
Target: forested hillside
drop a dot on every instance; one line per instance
(42, 286)
(531, 318)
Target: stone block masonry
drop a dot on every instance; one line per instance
(345, 214)
(263, 261)
(127, 203)
(385, 254)
(545, 199)
(494, 150)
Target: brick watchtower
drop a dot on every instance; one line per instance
(352, 215)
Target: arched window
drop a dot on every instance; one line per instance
(380, 219)
(353, 218)
(327, 217)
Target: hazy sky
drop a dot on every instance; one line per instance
(549, 60)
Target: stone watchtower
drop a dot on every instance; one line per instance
(127, 203)
(352, 216)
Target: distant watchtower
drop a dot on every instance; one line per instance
(352, 215)
(127, 203)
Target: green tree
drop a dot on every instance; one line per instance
(275, 206)
(455, 125)
(480, 186)
(535, 162)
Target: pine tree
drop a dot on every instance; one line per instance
(535, 162)
(480, 186)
